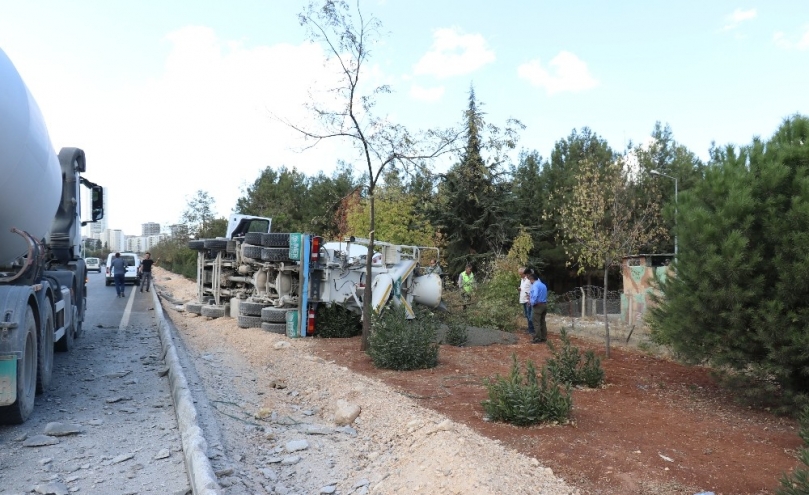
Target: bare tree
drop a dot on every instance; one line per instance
(380, 143)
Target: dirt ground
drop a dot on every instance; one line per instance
(656, 427)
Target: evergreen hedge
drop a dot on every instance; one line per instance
(335, 321)
(523, 399)
(566, 365)
(797, 483)
(403, 344)
(739, 295)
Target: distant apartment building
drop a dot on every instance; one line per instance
(114, 240)
(143, 243)
(150, 228)
(134, 243)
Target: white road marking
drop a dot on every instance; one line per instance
(127, 310)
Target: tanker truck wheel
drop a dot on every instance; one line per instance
(212, 311)
(275, 254)
(194, 307)
(275, 239)
(280, 328)
(253, 238)
(252, 252)
(247, 308)
(216, 244)
(243, 321)
(45, 357)
(275, 315)
(26, 377)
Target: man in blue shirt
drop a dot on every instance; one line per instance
(539, 307)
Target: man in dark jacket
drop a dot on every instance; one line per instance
(145, 271)
(118, 269)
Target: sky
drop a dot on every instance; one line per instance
(168, 98)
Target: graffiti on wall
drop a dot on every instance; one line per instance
(641, 275)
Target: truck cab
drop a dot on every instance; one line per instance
(239, 225)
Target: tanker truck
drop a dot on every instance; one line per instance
(42, 271)
(276, 280)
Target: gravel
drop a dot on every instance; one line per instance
(275, 420)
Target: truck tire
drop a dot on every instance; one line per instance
(248, 321)
(274, 327)
(275, 239)
(275, 315)
(45, 357)
(247, 308)
(216, 244)
(108, 283)
(275, 254)
(26, 377)
(253, 238)
(193, 307)
(252, 252)
(196, 245)
(212, 311)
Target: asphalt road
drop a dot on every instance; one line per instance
(111, 396)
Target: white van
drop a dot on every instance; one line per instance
(132, 264)
(93, 264)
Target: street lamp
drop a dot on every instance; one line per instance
(655, 172)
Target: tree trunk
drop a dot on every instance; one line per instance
(366, 298)
(606, 317)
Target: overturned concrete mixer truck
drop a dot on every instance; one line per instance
(276, 280)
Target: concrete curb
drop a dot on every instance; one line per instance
(200, 472)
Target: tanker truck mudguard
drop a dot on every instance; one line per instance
(42, 272)
(276, 280)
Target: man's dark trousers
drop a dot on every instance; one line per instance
(538, 313)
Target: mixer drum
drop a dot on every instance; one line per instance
(30, 175)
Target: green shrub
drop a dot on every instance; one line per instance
(566, 366)
(494, 303)
(590, 373)
(797, 483)
(175, 256)
(401, 344)
(335, 321)
(457, 334)
(524, 400)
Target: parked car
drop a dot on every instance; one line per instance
(93, 264)
(132, 264)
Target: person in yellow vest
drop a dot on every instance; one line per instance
(466, 282)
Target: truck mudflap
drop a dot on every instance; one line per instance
(8, 380)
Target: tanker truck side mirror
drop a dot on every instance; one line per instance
(97, 203)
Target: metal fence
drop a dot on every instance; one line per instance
(586, 301)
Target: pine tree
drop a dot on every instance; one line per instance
(740, 296)
(473, 203)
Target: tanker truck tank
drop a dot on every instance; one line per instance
(30, 174)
